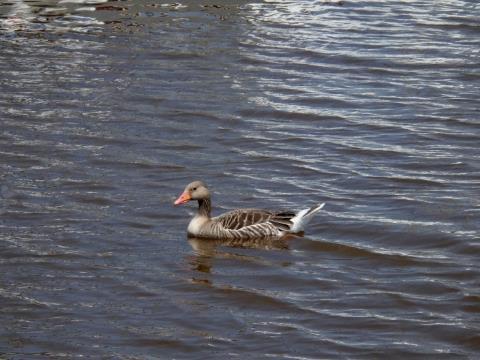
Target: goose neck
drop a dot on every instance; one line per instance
(204, 207)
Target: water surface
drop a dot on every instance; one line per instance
(108, 109)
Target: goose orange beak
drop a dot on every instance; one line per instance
(185, 197)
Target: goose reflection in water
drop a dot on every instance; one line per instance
(208, 246)
(207, 250)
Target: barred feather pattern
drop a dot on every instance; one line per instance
(244, 223)
(215, 230)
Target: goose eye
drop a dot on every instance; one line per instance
(194, 189)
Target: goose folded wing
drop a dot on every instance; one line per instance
(282, 220)
(241, 218)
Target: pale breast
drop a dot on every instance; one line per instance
(196, 224)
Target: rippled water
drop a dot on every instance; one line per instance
(108, 109)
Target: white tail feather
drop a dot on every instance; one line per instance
(303, 217)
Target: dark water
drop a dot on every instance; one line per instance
(108, 109)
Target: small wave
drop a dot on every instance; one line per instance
(399, 257)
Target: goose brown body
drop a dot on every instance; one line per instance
(241, 224)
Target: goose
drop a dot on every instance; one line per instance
(241, 224)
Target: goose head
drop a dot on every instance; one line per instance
(196, 190)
